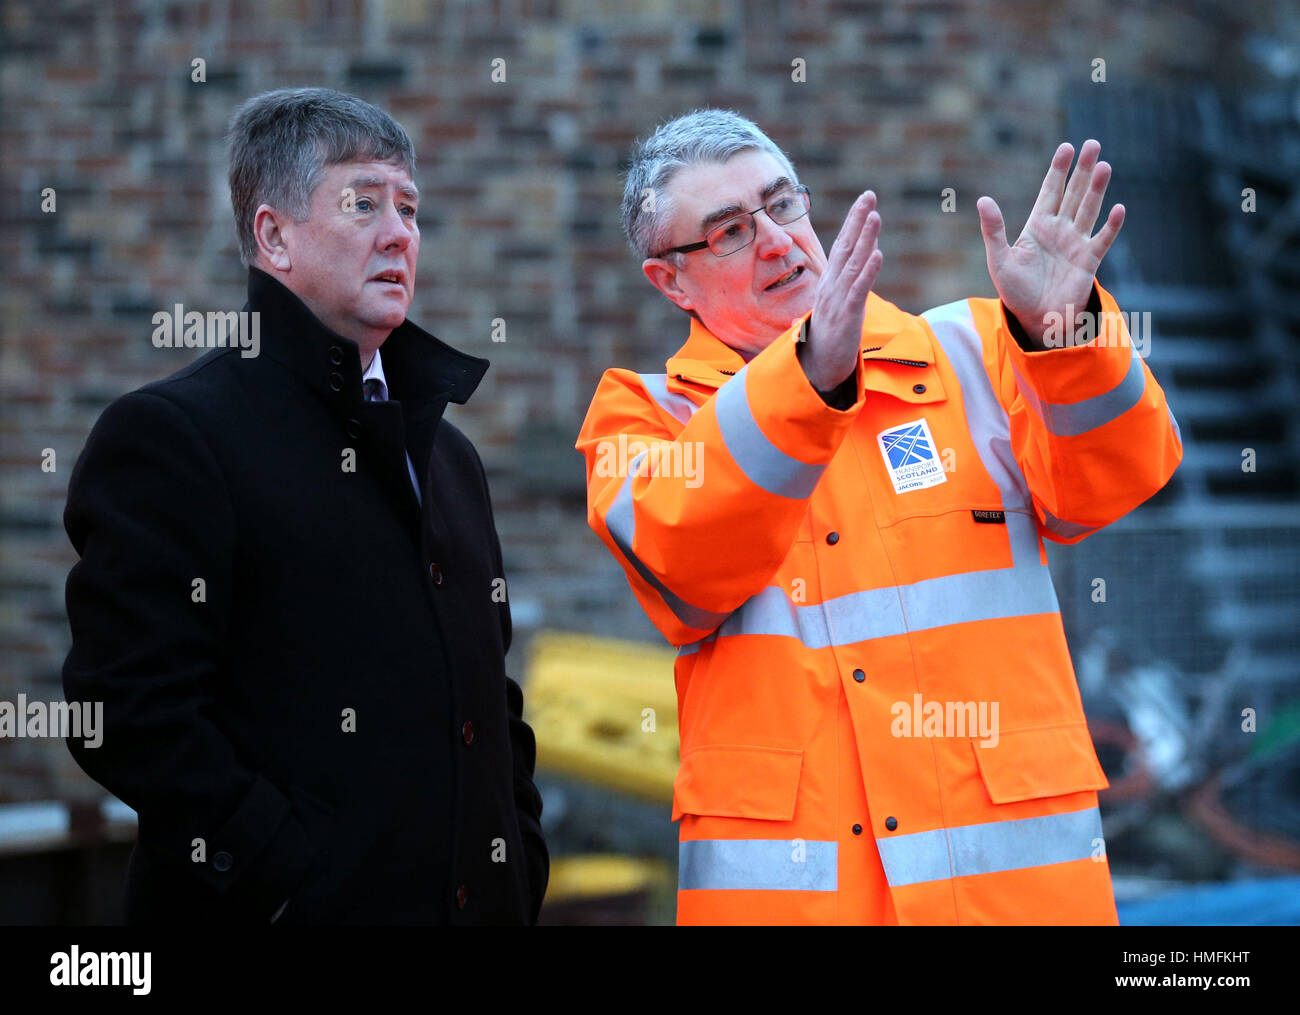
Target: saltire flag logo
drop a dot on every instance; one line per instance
(910, 456)
(908, 445)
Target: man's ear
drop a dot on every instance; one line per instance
(267, 223)
(662, 274)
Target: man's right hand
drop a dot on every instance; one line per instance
(835, 327)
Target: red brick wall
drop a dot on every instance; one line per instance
(98, 103)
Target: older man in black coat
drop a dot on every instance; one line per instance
(290, 596)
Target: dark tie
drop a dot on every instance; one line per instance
(371, 388)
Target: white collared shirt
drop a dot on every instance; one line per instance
(376, 370)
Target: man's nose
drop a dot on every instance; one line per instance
(770, 239)
(394, 230)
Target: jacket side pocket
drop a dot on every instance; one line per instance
(1043, 761)
(738, 781)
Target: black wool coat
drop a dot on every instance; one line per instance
(302, 670)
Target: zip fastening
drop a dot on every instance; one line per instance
(887, 359)
(687, 380)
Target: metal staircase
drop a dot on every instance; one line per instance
(1217, 554)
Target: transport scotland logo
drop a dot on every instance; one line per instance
(910, 456)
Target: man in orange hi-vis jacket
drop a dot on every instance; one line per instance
(835, 510)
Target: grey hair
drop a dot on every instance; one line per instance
(703, 135)
(281, 142)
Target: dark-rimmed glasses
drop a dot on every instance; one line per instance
(738, 232)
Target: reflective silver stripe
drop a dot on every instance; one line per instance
(1069, 419)
(678, 406)
(989, 848)
(988, 423)
(893, 610)
(769, 865)
(1173, 422)
(620, 520)
(1067, 530)
(1022, 590)
(763, 463)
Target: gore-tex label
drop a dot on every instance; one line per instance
(910, 457)
(989, 517)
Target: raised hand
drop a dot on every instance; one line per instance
(1051, 268)
(835, 327)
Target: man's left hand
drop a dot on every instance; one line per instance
(1051, 268)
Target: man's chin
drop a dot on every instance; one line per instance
(385, 318)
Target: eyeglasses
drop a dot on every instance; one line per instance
(739, 231)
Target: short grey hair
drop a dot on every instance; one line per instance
(703, 135)
(282, 141)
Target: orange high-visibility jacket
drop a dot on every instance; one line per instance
(831, 578)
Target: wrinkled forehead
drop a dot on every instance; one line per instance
(708, 192)
(368, 175)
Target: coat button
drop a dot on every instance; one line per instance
(354, 429)
(461, 897)
(223, 861)
(891, 823)
(336, 381)
(857, 829)
(435, 572)
(919, 388)
(832, 538)
(467, 731)
(336, 355)
(859, 676)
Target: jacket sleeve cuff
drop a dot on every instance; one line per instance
(262, 853)
(789, 411)
(1012, 322)
(840, 397)
(1075, 373)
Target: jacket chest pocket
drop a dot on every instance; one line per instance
(919, 462)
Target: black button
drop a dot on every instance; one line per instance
(832, 538)
(435, 572)
(336, 381)
(461, 897)
(354, 429)
(336, 355)
(859, 676)
(223, 861)
(467, 731)
(891, 823)
(919, 388)
(857, 829)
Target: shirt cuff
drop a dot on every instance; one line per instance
(842, 397)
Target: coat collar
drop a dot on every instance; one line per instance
(887, 332)
(419, 368)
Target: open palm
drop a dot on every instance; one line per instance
(1051, 267)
